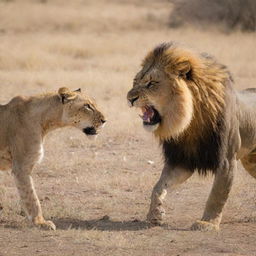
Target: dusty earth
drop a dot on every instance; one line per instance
(98, 192)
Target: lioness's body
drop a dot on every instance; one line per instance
(246, 101)
(24, 124)
(26, 121)
(202, 122)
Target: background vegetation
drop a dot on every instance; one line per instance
(233, 14)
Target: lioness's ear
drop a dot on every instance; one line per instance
(183, 69)
(78, 90)
(66, 95)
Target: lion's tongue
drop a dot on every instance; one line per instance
(147, 114)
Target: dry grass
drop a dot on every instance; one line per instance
(98, 46)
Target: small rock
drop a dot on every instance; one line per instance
(150, 162)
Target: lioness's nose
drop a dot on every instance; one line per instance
(132, 100)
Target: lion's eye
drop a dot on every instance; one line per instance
(151, 84)
(88, 106)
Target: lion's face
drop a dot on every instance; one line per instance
(164, 99)
(81, 112)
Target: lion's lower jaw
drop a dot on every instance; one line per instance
(150, 128)
(169, 130)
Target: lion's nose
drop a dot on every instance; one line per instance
(132, 100)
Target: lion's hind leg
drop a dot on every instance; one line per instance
(219, 194)
(249, 163)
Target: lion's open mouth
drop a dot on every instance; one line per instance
(150, 115)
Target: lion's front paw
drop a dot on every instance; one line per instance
(156, 216)
(204, 226)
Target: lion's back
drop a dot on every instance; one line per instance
(248, 97)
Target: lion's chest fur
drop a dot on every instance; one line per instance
(204, 155)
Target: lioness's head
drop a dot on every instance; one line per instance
(80, 111)
(161, 91)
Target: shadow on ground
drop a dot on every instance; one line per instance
(103, 224)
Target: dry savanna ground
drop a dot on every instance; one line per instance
(98, 192)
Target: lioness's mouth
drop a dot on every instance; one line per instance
(90, 131)
(150, 115)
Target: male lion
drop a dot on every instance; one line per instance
(24, 124)
(203, 124)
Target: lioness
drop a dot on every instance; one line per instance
(203, 124)
(24, 124)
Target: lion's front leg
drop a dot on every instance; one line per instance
(170, 178)
(219, 194)
(29, 199)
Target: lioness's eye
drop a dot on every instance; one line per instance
(88, 106)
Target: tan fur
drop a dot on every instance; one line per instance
(196, 103)
(206, 91)
(24, 124)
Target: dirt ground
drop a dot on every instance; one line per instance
(97, 193)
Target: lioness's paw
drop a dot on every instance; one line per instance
(46, 224)
(204, 226)
(155, 217)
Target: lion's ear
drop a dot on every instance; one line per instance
(183, 69)
(66, 95)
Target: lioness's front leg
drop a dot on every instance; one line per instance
(219, 194)
(170, 178)
(28, 196)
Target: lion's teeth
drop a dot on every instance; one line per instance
(147, 114)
